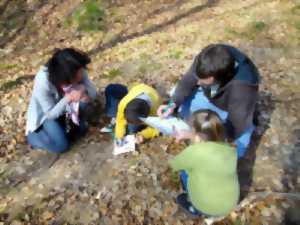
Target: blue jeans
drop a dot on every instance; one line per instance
(184, 180)
(114, 94)
(52, 134)
(184, 183)
(198, 101)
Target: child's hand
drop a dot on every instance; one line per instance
(119, 142)
(181, 135)
(85, 98)
(139, 139)
(166, 110)
(81, 88)
(73, 96)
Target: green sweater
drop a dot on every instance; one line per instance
(213, 183)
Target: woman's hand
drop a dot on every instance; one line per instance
(74, 95)
(120, 142)
(85, 98)
(166, 110)
(81, 88)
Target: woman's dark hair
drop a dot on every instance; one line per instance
(215, 61)
(64, 64)
(208, 122)
(136, 109)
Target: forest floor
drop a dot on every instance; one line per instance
(152, 42)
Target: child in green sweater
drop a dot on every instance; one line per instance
(208, 168)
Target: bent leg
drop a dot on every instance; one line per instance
(184, 180)
(51, 136)
(113, 94)
(243, 141)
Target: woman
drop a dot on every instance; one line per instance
(58, 86)
(208, 168)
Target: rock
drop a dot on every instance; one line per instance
(16, 222)
(3, 206)
(47, 215)
(20, 170)
(26, 217)
(51, 203)
(103, 210)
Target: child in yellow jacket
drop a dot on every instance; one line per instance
(127, 107)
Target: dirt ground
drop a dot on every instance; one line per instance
(152, 42)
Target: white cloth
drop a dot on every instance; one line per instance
(167, 126)
(72, 109)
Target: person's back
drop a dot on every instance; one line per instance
(213, 185)
(208, 168)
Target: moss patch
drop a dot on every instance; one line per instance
(89, 16)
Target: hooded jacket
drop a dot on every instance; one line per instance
(238, 96)
(121, 123)
(213, 185)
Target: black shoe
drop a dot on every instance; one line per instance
(184, 203)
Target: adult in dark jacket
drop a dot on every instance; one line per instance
(222, 79)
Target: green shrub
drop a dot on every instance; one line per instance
(297, 25)
(296, 9)
(175, 54)
(113, 73)
(258, 26)
(88, 17)
(147, 64)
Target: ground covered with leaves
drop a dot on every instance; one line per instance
(153, 42)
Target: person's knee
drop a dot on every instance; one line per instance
(83, 128)
(117, 90)
(83, 106)
(60, 147)
(31, 140)
(241, 152)
(111, 88)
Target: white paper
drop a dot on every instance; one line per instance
(166, 125)
(128, 145)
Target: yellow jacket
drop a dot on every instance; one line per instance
(121, 123)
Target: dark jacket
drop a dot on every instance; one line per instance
(237, 97)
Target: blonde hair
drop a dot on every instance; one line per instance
(208, 122)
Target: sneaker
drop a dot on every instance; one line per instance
(186, 205)
(110, 127)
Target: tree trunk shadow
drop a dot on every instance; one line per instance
(175, 4)
(266, 105)
(155, 28)
(21, 13)
(292, 166)
(14, 83)
(3, 7)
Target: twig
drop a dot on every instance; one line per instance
(279, 194)
(57, 157)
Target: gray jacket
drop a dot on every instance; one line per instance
(46, 102)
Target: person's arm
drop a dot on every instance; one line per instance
(184, 89)
(185, 160)
(47, 102)
(186, 85)
(149, 133)
(241, 105)
(121, 123)
(90, 87)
